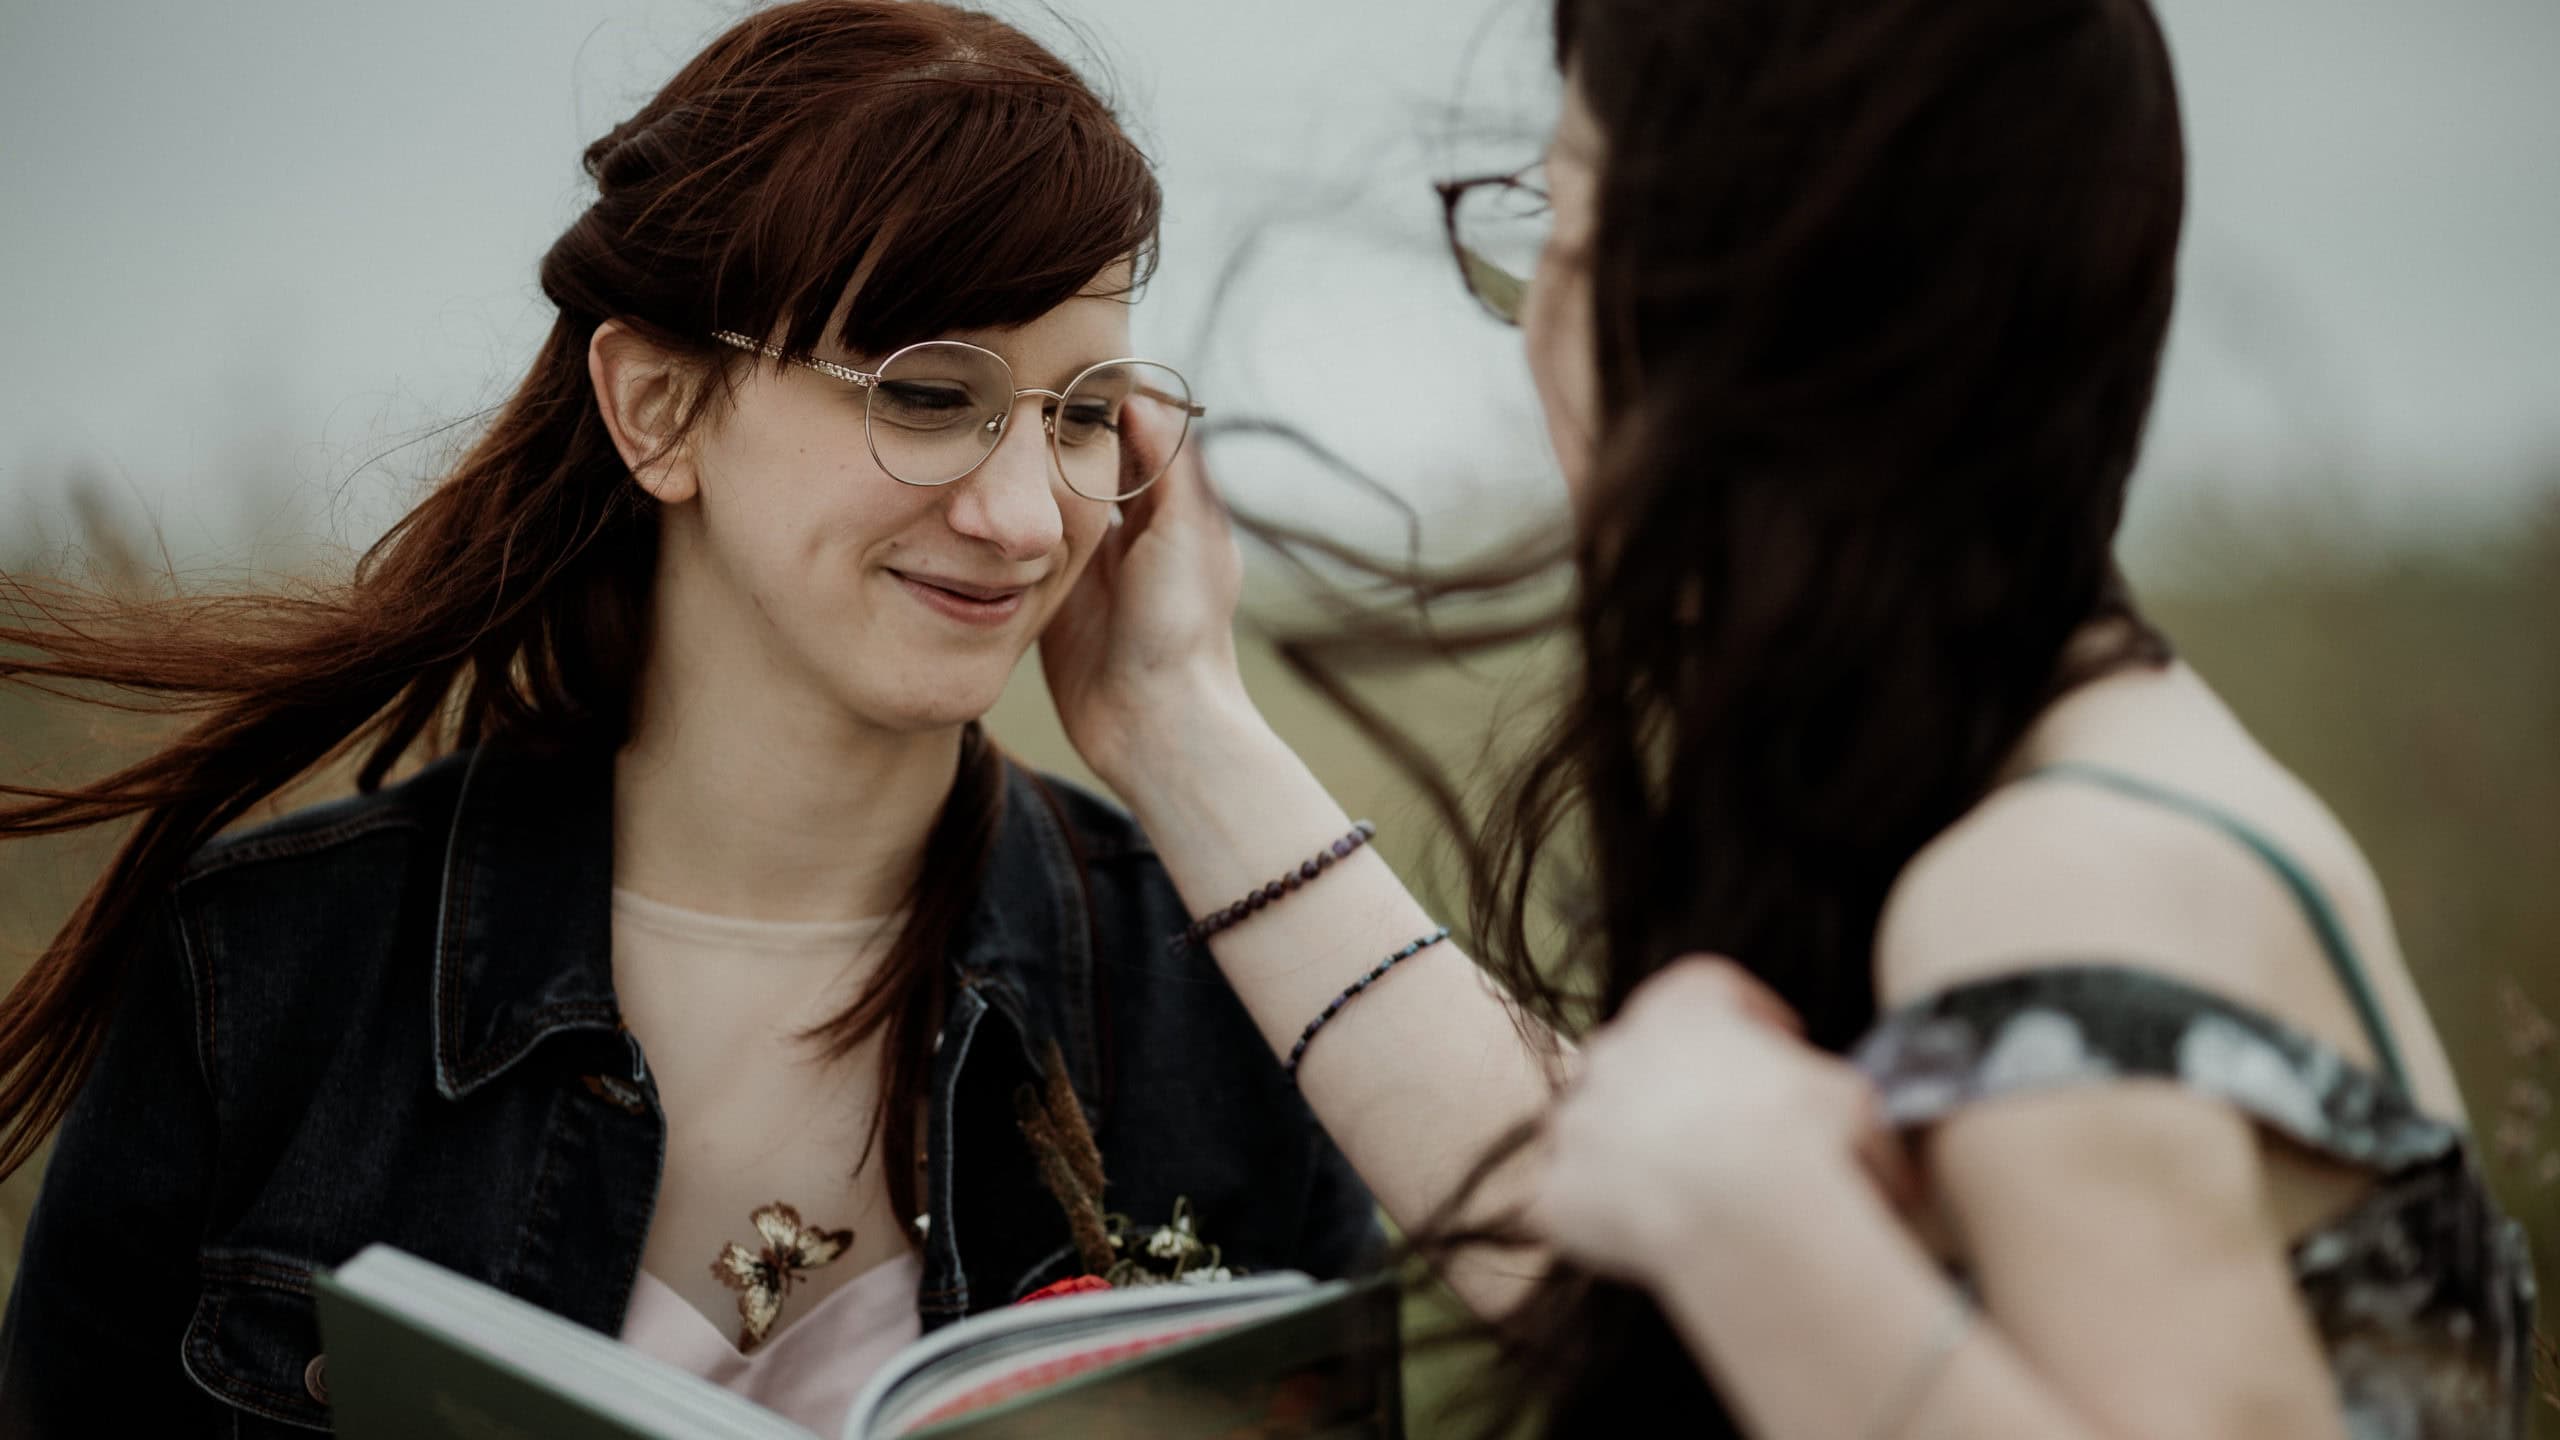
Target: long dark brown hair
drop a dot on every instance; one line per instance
(933, 164)
(1880, 292)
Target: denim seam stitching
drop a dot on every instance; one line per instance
(275, 1275)
(538, 1199)
(205, 998)
(250, 850)
(1074, 941)
(199, 1358)
(953, 1298)
(453, 906)
(482, 1065)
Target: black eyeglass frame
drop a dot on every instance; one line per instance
(1500, 292)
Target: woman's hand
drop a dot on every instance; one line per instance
(1143, 650)
(1141, 663)
(1699, 1119)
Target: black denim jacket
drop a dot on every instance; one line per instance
(393, 1019)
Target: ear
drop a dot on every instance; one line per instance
(641, 393)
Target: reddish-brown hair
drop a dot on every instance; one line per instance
(936, 165)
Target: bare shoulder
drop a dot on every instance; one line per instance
(2056, 872)
(2059, 871)
(2038, 873)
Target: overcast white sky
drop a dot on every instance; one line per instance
(244, 247)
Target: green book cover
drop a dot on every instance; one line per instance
(524, 1375)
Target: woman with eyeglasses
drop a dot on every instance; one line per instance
(2066, 1079)
(717, 984)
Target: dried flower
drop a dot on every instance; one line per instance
(2530, 1034)
(2546, 1369)
(2522, 1138)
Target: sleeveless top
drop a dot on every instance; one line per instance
(2422, 1295)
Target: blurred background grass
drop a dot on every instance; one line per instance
(2419, 692)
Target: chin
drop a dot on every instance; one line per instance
(952, 702)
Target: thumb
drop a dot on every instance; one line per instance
(1154, 429)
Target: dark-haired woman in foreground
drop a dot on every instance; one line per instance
(2069, 1081)
(696, 993)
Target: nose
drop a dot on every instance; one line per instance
(1011, 502)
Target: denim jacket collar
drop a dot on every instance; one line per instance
(523, 947)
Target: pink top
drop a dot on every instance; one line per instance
(814, 1365)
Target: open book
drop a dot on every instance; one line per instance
(417, 1352)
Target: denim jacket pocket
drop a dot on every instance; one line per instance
(254, 1343)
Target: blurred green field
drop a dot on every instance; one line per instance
(2420, 696)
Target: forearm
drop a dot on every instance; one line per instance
(1417, 1079)
(1835, 1323)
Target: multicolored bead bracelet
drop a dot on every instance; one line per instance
(1298, 1051)
(1200, 930)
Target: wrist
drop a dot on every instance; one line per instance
(1187, 738)
(1764, 1317)
(1788, 1217)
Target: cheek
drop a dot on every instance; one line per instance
(1086, 523)
(1556, 327)
(794, 484)
(788, 518)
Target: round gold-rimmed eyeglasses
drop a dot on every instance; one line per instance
(937, 409)
(1497, 226)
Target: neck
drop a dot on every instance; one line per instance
(736, 801)
(2090, 711)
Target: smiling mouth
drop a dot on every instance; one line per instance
(959, 600)
(984, 594)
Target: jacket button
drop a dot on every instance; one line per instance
(315, 1377)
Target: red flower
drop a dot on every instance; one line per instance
(1079, 1285)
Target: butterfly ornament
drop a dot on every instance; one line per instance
(763, 1279)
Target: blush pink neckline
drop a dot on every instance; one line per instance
(811, 1367)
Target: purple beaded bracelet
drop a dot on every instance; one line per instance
(1298, 1051)
(1201, 929)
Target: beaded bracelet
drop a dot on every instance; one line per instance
(1298, 1051)
(1200, 930)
